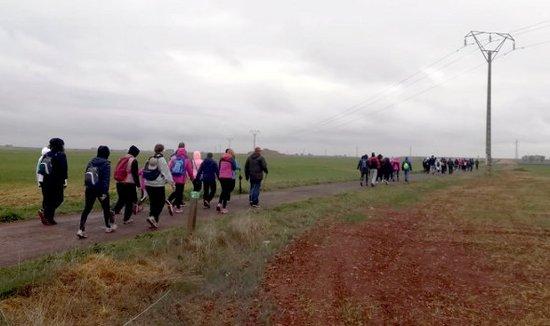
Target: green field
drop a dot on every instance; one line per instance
(20, 197)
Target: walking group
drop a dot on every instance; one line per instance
(151, 180)
(378, 168)
(442, 165)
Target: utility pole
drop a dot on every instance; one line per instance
(410, 152)
(254, 133)
(489, 53)
(517, 153)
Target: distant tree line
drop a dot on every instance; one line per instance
(533, 158)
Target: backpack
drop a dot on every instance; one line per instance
(406, 166)
(178, 166)
(151, 170)
(121, 170)
(45, 166)
(91, 177)
(364, 163)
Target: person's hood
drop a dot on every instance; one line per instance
(45, 150)
(134, 151)
(57, 145)
(181, 152)
(227, 157)
(255, 155)
(103, 152)
(197, 155)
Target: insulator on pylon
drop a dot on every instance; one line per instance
(490, 38)
(465, 42)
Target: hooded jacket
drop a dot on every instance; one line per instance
(197, 161)
(227, 167)
(103, 166)
(40, 177)
(59, 171)
(165, 174)
(255, 167)
(208, 171)
(188, 169)
(363, 164)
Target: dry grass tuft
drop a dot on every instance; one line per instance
(98, 289)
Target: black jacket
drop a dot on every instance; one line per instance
(255, 167)
(59, 169)
(208, 171)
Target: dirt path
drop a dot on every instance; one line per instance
(29, 239)
(419, 266)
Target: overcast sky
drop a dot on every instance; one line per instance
(142, 72)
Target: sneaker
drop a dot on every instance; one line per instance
(224, 211)
(81, 235)
(109, 230)
(178, 210)
(114, 227)
(170, 209)
(129, 221)
(219, 208)
(154, 224)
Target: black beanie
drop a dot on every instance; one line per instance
(103, 152)
(56, 144)
(134, 151)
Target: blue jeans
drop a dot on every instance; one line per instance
(254, 195)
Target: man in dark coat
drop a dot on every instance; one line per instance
(55, 172)
(254, 170)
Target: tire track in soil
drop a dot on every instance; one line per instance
(392, 269)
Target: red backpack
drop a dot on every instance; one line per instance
(121, 170)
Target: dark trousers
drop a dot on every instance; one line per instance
(157, 200)
(52, 197)
(209, 190)
(365, 176)
(176, 197)
(255, 186)
(90, 196)
(227, 187)
(127, 197)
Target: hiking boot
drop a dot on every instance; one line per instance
(151, 220)
(128, 221)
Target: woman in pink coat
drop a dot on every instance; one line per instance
(396, 165)
(181, 167)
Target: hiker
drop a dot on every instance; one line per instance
(196, 163)
(443, 165)
(156, 174)
(40, 179)
(96, 180)
(406, 166)
(54, 169)
(374, 165)
(395, 169)
(386, 170)
(180, 167)
(127, 178)
(228, 166)
(363, 167)
(477, 164)
(207, 173)
(380, 175)
(254, 170)
(450, 166)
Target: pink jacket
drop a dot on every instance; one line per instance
(395, 164)
(227, 166)
(181, 179)
(197, 161)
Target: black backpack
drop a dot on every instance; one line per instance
(91, 176)
(45, 167)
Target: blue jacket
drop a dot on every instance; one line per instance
(208, 170)
(103, 172)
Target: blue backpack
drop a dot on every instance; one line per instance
(178, 167)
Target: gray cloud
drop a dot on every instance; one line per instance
(145, 72)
